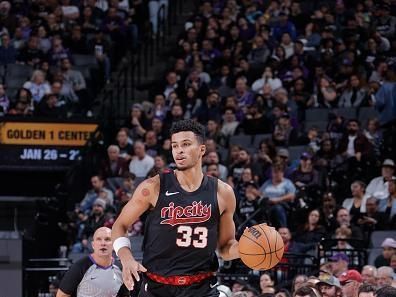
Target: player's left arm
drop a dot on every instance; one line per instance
(227, 244)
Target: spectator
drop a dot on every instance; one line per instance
(98, 191)
(4, 101)
(385, 291)
(58, 52)
(141, 162)
(280, 192)
(312, 231)
(328, 212)
(351, 281)
(37, 86)
(384, 276)
(389, 249)
(213, 132)
(49, 108)
(266, 281)
(369, 275)
(250, 211)
(31, 54)
(339, 264)
(344, 219)
(244, 160)
(8, 52)
(355, 95)
(213, 158)
(101, 48)
(137, 122)
(388, 206)
(114, 165)
(378, 187)
(230, 123)
(255, 121)
(284, 134)
(372, 220)
(267, 78)
(357, 204)
(123, 142)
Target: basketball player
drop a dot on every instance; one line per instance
(96, 274)
(190, 215)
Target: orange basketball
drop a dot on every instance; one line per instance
(261, 247)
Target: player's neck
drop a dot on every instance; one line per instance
(190, 179)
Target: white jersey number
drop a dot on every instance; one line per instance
(188, 233)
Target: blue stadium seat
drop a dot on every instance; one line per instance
(377, 237)
(242, 140)
(316, 114)
(84, 60)
(19, 71)
(321, 125)
(296, 151)
(347, 112)
(366, 113)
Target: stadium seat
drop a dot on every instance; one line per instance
(259, 138)
(348, 112)
(296, 151)
(365, 113)
(321, 125)
(19, 71)
(316, 114)
(12, 92)
(373, 254)
(242, 140)
(377, 237)
(14, 82)
(84, 60)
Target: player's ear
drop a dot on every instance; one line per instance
(203, 149)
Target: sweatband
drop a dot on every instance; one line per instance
(121, 242)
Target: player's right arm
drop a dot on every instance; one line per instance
(144, 198)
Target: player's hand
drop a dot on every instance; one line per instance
(130, 270)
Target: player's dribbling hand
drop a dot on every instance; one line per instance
(130, 270)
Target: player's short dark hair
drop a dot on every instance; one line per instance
(189, 125)
(386, 291)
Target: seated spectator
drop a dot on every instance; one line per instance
(258, 55)
(342, 235)
(230, 124)
(137, 122)
(328, 212)
(326, 95)
(384, 277)
(122, 141)
(4, 101)
(389, 249)
(44, 41)
(244, 160)
(369, 275)
(101, 49)
(58, 52)
(98, 191)
(153, 148)
(213, 158)
(312, 231)
(344, 219)
(355, 95)
(372, 220)
(267, 78)
(124, 193)
(160, 164)
(373, 134)
(244, 97)
(49, 108)
(88, 227)
(388, 206)
(249, 211)
(31, 54)
(378, 186)
(306, 178)
(266, 281)
(357, 204)
(37, 86)
(8, 52)
(210, 109)
(299, 281)
(255, 121)
(339, 263)
(77, 42)
(284, 134)
(141, 162)
(280, 192)
(213, 132)
(113, 165)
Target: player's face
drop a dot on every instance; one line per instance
(102, 244)
(186, 150)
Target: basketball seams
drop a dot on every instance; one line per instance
(254, 242)
(269, 244)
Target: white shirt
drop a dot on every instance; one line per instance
(348, 203)
(351, 146)
(258, 85)
(141, 167)
(378, 188)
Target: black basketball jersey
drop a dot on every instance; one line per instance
(182, 229)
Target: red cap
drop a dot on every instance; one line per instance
(349, 276)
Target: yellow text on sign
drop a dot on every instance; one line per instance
(63, 134)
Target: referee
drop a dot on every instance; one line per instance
(95, 275)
